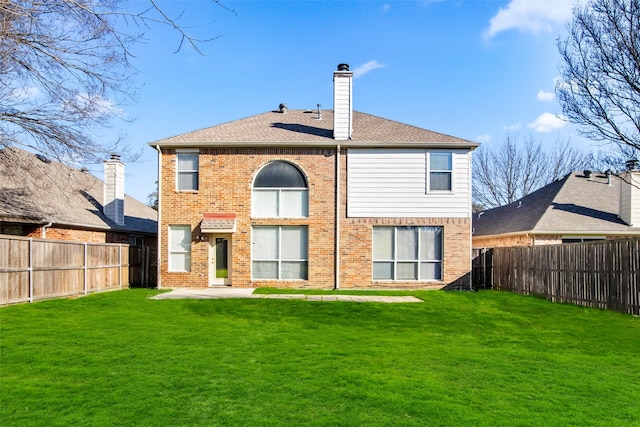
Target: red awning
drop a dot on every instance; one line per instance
(218, 223)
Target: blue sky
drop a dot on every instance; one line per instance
(475, 69)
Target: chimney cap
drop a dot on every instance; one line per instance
(343, 67)
(114, 156)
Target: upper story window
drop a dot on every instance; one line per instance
(440, 172)
(187, 170)
(280, 191)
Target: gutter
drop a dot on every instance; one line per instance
(338, 209)
(320, 144)
(159, 241)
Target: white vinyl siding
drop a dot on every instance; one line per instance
(179, 248)
(393, 183)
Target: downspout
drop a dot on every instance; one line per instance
(338, 210)
(159, 235)
(43, 231)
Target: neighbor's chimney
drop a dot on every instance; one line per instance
(630, 197)
(113, 204)
(342, 103)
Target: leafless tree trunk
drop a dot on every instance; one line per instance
(517, 168)
(64, 68)
(600, 69)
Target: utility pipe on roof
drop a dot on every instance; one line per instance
(337, 260)
(159, 238)
(43, 230)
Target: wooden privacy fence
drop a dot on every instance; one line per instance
(604, 274)
(34, 269)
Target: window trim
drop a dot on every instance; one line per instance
(192, 171)
(279, 259)
(280, 190)
(429, 171)
(170, 251)
(418, 262)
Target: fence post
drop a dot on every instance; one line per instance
(30, 269)
(84, 269)
(120, 266)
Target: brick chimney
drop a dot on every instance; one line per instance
(113, 203)
(630, 197)
(342, 103)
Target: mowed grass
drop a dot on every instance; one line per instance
(486, 358)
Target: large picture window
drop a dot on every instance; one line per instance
(279, 253)
(280, 191)
(179, 248)
(407, 253)
(440, 171)
(187, 170)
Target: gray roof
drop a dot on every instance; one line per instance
(303, 126)
(34, 191)
(571, 205)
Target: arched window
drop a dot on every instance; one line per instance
(280, 191)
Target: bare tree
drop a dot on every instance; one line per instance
(600, 70)
(517, 168)
(64, 68)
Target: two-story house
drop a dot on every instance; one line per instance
(315, 199)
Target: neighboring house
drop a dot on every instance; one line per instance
(45, 199)
(579, 207)
(317, 199)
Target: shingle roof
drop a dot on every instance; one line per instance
(38, 192)
(218, 221)
(573, 204)
(303, 126)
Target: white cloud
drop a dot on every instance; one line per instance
(483, 138)
(364, 69)
(533, 16)
(547, 122)
(26, 93)
(546, 96)
(513, 127)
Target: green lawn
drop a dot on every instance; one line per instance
(487, 358)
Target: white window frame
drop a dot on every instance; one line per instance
(173, 251)
(429, 171)
(279, 259)
(395, 261)
(191, 171)
(278, 191)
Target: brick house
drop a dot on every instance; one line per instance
(45, 199)
(315, 199)
(580, 207)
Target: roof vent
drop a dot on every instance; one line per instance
(631, 164)
(343, 67)
(587, 173)
(319, 112)
(282, 108)
(43, 159)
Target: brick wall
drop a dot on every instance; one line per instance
(501, 242)
(225, 185)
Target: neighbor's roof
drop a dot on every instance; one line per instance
(571, 205)
(34, 191)
(303, 126)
